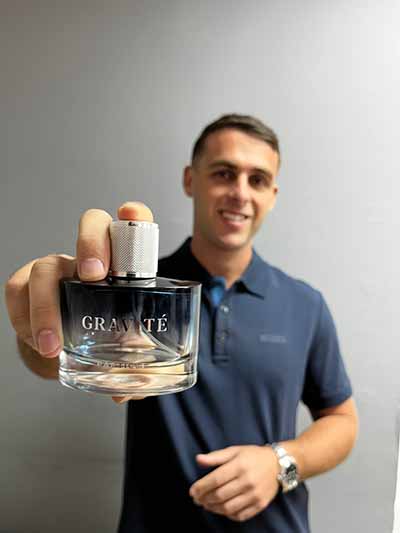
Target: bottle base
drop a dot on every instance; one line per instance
(136, 382)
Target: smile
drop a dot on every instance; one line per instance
(231, 215)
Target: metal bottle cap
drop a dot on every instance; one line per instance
(134, 249)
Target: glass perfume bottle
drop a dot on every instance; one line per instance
(131, 333)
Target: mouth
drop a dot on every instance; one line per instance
(233, 216)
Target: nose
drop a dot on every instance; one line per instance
(240, 190)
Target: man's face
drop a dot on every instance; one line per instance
(233, 187)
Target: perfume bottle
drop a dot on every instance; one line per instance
(131, 333)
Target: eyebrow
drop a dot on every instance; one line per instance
(229, 164)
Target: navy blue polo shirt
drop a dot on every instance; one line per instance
(269, 344)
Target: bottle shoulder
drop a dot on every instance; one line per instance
(143, 284)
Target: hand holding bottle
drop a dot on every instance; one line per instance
(32, 292)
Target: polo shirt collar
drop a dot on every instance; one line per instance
(258, 276)
(256, 279)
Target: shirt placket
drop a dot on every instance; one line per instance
(222, 320)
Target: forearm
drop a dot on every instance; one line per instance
(46, 368)
(324, 445)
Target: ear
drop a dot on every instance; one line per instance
(275, 193)
(188, 181)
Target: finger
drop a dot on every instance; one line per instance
(93, 245)
(135, 211)
(17, 301)
(217, 457)
(46, 368)
(214, 479)
(45, 317)
(224, 493)
(246, 513)
(232, 507)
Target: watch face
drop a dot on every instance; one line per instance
(289, 476)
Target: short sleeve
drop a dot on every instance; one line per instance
(326, 382)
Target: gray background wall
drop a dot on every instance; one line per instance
(100, 102)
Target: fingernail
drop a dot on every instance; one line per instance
(48, 342)
(91, 268)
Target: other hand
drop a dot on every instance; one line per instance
(243, 483)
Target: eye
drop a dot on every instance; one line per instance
(259, 181)
(224, 174)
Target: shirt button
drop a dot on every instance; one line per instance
(224, 309)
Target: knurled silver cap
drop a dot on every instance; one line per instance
(134, 249)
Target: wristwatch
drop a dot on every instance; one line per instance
(288, 476)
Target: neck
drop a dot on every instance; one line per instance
(221, 262)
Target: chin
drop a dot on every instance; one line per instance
(232, 242)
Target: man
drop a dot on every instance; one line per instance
(222, 456)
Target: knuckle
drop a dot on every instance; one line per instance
(235, 517)
(91, 245)
(45, 309)
(21, 325)
(11, 289)
(27, 339)
(94, 211)
(218, 495)
(57, 258)
(88, 243)
(60, 262)
(226, 508)
(53, 265)
(92, 214)
(218, 480)
(242, 470)
(248, 480)
(45, 265)
(230, 507)
(252, 483)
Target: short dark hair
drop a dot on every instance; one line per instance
(246, 123)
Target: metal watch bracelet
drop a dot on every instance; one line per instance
(288, 477)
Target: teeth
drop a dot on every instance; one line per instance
(231, 216)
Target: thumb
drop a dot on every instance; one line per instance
(217, 457)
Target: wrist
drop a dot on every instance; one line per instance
(288, 474)
(294, 449)
(273, 467)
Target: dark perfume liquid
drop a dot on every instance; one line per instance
(130, 337)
